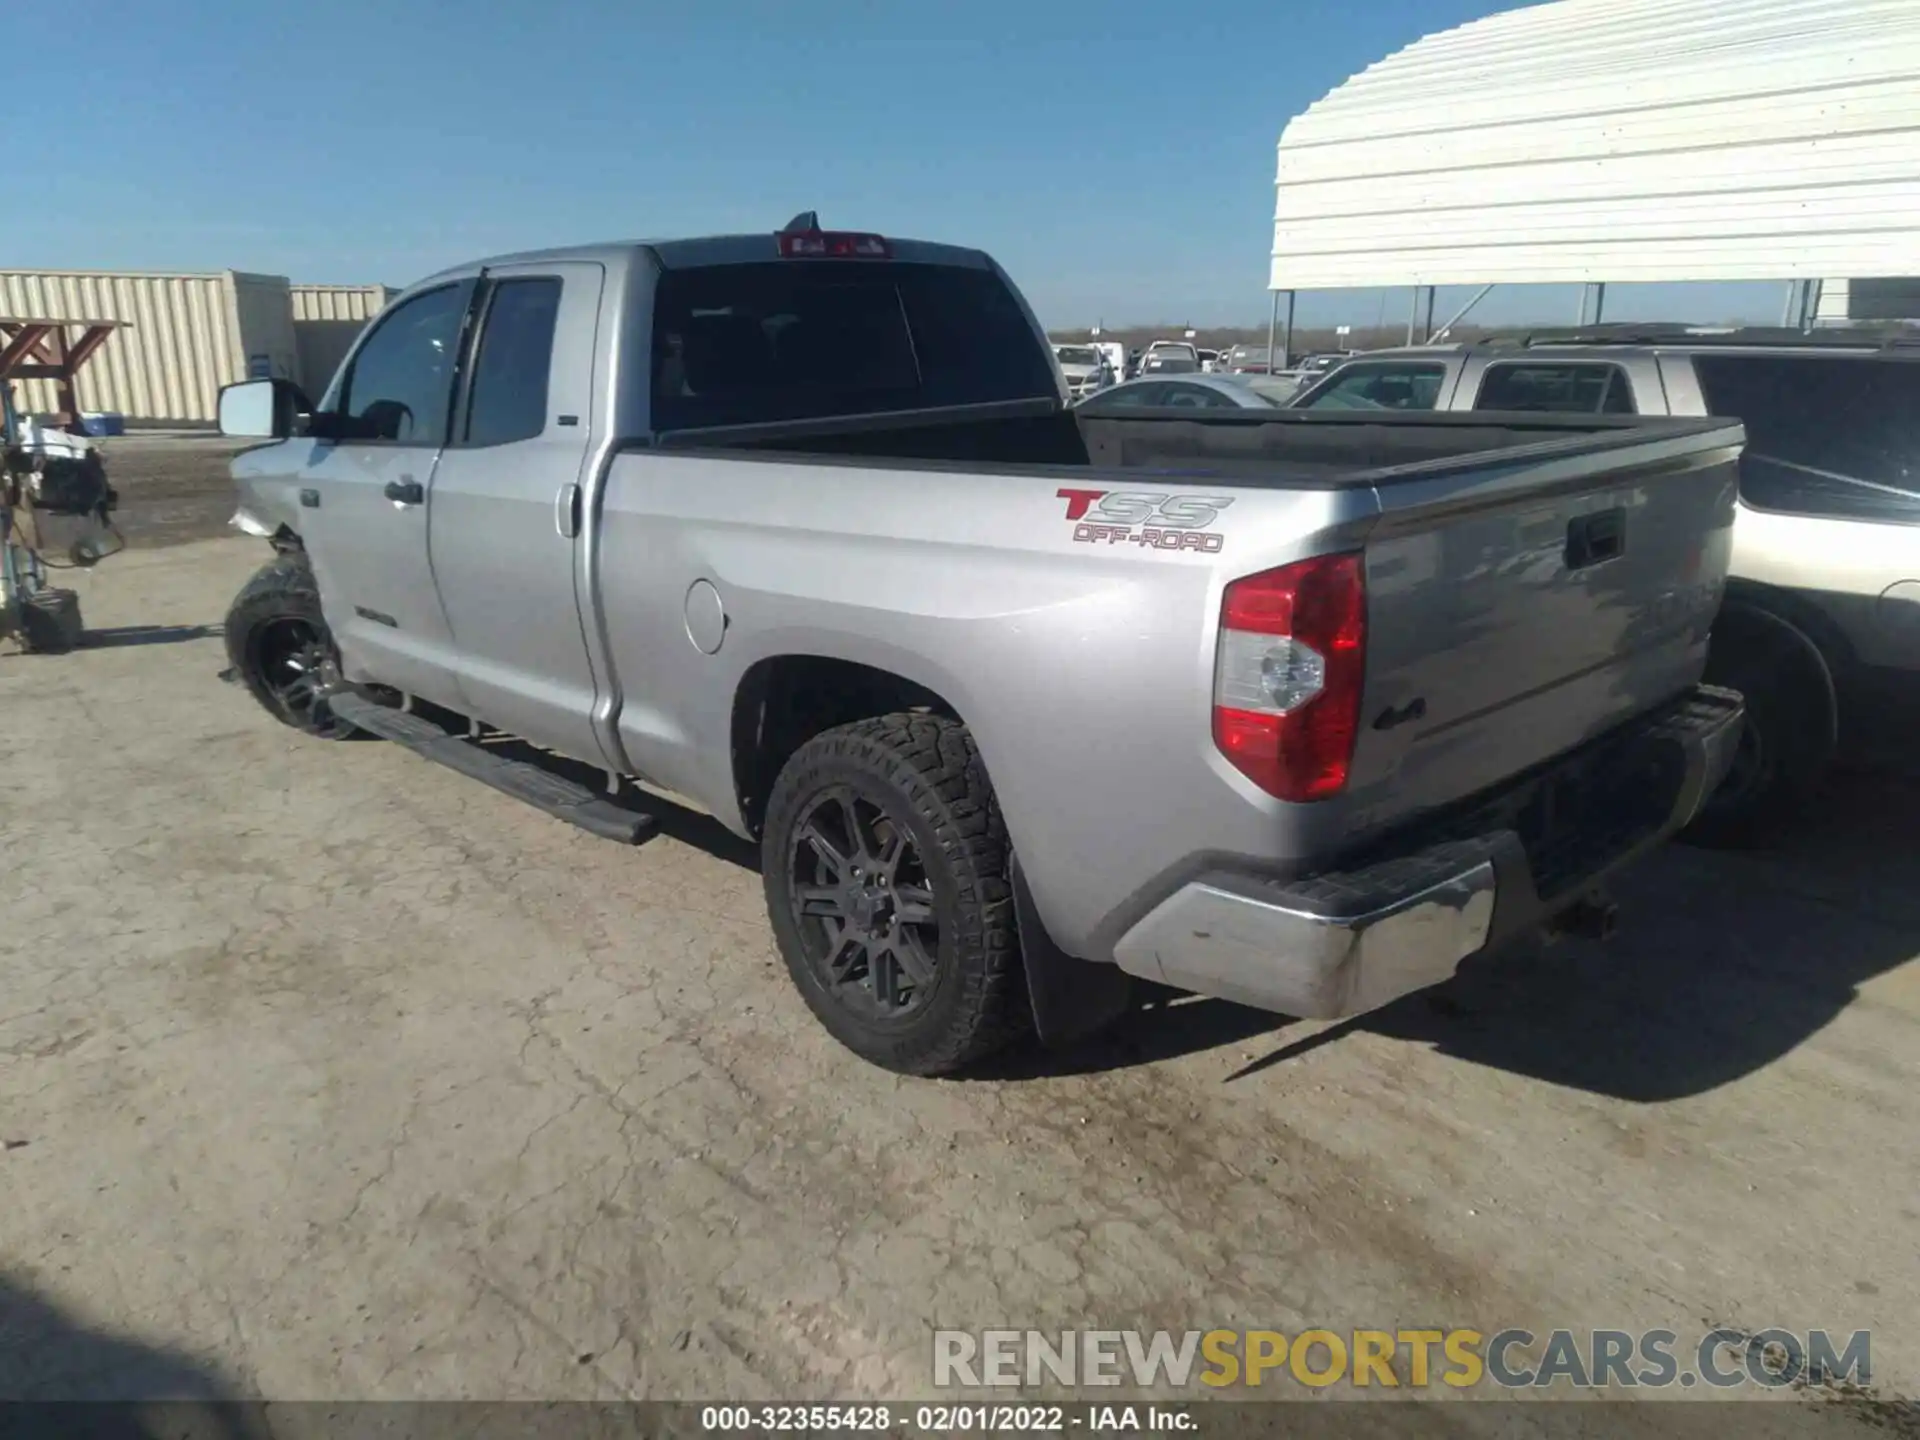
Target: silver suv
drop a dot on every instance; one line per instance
(1823, 601)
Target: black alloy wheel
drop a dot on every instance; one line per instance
(886, 866)
(279, 645)
(294, 661)
(863, 904)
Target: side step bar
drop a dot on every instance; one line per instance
(542, 789)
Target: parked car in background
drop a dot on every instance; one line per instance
(1246, 360)
(1169, 362)
(1174, 347)
(1084, 367)
(1016, 702)
(1209, 359)
(1320, 362)
(1176, 392)
(1821, 629)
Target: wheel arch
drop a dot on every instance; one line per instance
(1748, 623)
(1806, 619)
(783, 701)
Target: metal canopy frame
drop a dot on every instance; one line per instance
(47, 349)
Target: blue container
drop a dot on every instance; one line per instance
(100, 425)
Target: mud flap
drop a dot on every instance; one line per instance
(1072, 998)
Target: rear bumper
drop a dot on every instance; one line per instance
(1454, 885)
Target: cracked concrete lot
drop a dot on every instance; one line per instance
(325, 1073)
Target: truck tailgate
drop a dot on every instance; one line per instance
(1520, 608)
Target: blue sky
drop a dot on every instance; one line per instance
(1117, 156)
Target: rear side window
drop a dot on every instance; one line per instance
(513, 363)
(802, 340)
(1835, 436)
(1568, 388)
(1379, 386)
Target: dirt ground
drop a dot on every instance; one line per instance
(173, 487)
(325, 1073)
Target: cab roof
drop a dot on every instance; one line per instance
(708, 250)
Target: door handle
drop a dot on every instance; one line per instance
(310, 499)
(1596, 537)
(405, 492)
(566, 511)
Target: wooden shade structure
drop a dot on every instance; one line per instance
(46, 349)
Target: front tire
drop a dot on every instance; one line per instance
(280, 647)
(886, 868)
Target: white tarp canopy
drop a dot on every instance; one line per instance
(1616, 140)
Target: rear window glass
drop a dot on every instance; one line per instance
(1837, 436)
(1584, 389)
(809, 339)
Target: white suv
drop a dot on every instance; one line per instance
(1822, 617)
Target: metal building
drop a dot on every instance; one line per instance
(1615, 140)
(326, 321)
(186, 336)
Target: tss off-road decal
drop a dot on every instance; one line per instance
(1145, 519)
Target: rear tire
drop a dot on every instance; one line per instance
(1791, 731)
(886, 868)
(280, 647)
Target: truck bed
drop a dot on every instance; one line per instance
(1253, 448)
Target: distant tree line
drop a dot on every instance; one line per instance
(1305, 341)
(1308, 341)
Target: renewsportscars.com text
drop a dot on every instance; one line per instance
(1413, 1358)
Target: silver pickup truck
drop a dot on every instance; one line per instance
(1292, 709)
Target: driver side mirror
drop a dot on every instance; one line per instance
(261, 409)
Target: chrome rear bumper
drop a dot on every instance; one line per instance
(1346, 942)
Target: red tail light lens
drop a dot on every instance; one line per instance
(1289, 675)
(832, 245)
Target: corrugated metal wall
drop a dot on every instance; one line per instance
(1835, 300)
(339, 302)
(1615, 140)
(1875, 298)
(327, 319)
(264, 308)
(188, 336)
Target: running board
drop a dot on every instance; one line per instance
(542, 789)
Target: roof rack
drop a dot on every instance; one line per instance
(1666, 333)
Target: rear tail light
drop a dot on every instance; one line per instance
(1289, 674)
(832, 245)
